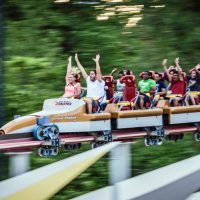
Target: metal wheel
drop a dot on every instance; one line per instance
(66, 147)
(42, 152)
(196, 136)
(55, 131)
(94, 145)
(159, 141)
(38, 133)
(69, 147)
(147, 141)
(53, 151)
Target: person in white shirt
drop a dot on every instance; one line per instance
(95, 84)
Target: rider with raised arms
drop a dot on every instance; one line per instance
(72, 87)
(95, 84)
(177, 84)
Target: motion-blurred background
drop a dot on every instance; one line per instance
(133, 34)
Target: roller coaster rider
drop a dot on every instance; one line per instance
(160, 87)
(72, 87)
(119, 87)
(95, 85)
(146, 87)
(193, 81)
(177, 85)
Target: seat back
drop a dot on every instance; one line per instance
(109, 83)
(130, 87)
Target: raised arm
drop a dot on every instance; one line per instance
(164, 63)
(84, 74)
(69, 66)
(113, 71)
(152, 74)
(98, 70)
(197, 68)
(179, 69)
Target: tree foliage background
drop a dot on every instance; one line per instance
(40, 35)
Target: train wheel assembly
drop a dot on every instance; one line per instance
(107, 135)
(38, 133)
(41, 152)
(196, 136)
(53, 132)
(47, 151)
(152, 141)
(71, 147)
(94, 145)
(175, 137)
(46, 132)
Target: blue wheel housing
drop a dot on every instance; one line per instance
(38, 133)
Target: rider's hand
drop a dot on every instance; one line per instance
(164, 62)
(96, 59)
(76, 57)
(70, 59)
(115, 69)
(177, 61)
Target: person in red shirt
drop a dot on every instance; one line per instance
(177, 85)
(169, 71)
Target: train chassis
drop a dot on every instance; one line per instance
(49, 134)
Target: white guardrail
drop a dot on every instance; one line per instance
(195, 196)
(44, 182)
(178, 181)
(175, 182)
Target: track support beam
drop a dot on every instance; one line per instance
(19, 163)
(120, 163)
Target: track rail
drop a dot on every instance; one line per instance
(29, 142)
(21, 141)
(25, 140)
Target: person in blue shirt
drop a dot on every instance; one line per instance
(160, 85)
(193, 81)
(161, 90)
